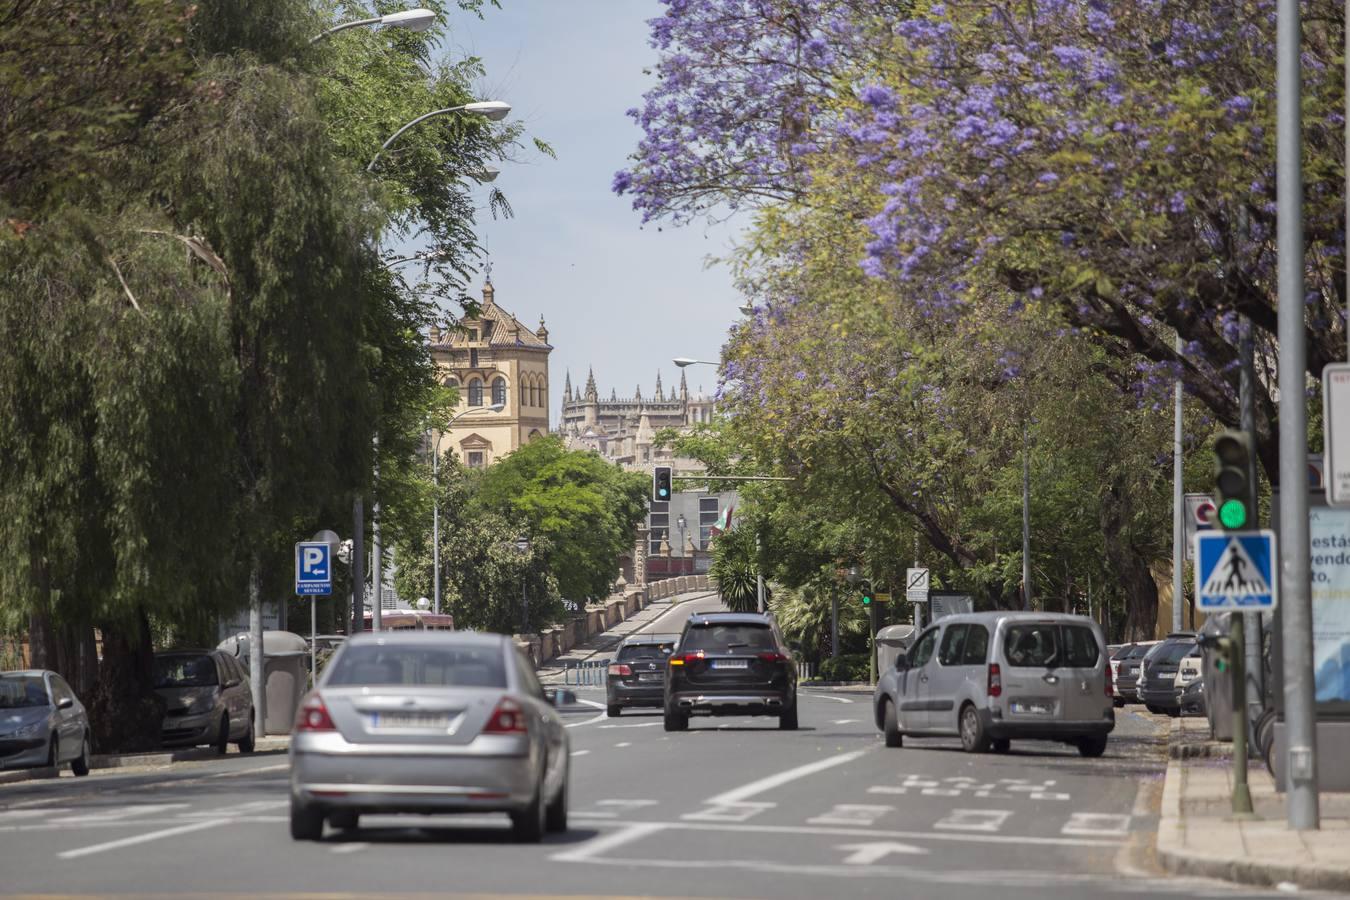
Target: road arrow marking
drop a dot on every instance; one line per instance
(866, 854)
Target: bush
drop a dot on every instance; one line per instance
(848, 667)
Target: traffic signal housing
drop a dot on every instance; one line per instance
(661, 484)
(1220, 648)
(1235, 494)
(868, 595)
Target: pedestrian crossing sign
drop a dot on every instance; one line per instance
(1235, 570)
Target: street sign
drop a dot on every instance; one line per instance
(1336, 412)
(313, 569)
(1236, 570)
(1200, 516)
(882, 596)
(916, 585)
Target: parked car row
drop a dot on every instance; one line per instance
(1164, 675)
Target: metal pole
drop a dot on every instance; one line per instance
(759, 575)
(1251, 621)
(1178, 504)
(313, 631)
(1295, 600)
(1242, 795)
(1026, 523)
(358, 565)
(834, 626)
(255, 647)
(376, 551)
(435, 530)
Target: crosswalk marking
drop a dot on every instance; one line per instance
(1097, 824)
(987, 820)
(728, 812)
(859, 814)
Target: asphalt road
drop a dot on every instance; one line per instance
(731, 808)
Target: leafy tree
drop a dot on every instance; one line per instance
(735, 569)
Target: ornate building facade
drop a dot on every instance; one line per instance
(493, 359)
(623, 430)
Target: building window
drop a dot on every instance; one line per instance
(707, 517)
(659, 523)
(475, 393)
(473, 358)
(475, 459)
(524, 394)
(473, 334)
(499, 392)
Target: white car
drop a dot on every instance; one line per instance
(1189, 668)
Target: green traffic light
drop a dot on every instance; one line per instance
(1233, 513)
(866, 600)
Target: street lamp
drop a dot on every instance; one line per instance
(523, 546)
(412, 19)
(679, 523)
(436, 508)
(684, 362)
(493, 110)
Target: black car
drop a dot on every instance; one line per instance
(1127, 671)
(731, 664)
(1158, 673)
(637, 676)
(1193, 702)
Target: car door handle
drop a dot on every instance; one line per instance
(923, 678)
(1050, 679)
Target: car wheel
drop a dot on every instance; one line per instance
(889, 726)
(1002, 745)
(80, 764)
(306, 822)
(1153, 709)
(528, 825)
(676, 721)
(555, 819)
(246, 745)
(345, 819)
(614, 710)
(788, 720)
(1092, 747)
(973, 738)
(223, 739)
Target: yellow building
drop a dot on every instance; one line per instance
(493, 359)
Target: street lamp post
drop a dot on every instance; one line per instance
(493, 110)
(523, 545)
(679, 523)
(412, 19)
(436, 507)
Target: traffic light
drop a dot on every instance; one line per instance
(661, 484)
(1220, 648)
(1236, 495)
(868, 596)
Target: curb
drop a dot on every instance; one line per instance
(103, 761)
(1239, 869)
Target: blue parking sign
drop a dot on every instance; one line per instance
(313, 568)
(1236, 570)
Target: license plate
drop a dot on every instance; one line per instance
(650, 676)
(731, 664)
(1034, 708)
(410, 720)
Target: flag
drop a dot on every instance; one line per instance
(723, 522)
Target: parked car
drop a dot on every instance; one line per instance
(208, 699)
(1193, 699)
(731, 664)
(1115, 654)
(1189, 669)
(42, 722)
(637, 676)
(1158, 673)
(428, 722)
(992, 677)
(1127, 672)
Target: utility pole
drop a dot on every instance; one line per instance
(358, 564)
(1026, 526)
(1295, 596)
(1178, 502)
(1251, 621)
(759, 572)
(435, 529)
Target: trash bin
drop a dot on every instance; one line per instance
(1218, 685)
(891, 642)
(285, 677)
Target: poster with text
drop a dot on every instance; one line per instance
(1329, 533)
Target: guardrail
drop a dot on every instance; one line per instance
(586, 672)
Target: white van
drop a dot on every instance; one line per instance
(992, 677)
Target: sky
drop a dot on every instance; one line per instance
(616, 295)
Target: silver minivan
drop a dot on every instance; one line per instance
(992, 677)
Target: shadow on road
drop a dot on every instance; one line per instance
(450, 834)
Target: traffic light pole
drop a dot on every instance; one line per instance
(1242, 795)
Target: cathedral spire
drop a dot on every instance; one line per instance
(592, 394)
(684, 388)
(660, 394)
(567, 387)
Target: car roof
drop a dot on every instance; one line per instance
(728, 618)
(433, 638)
(640, 639)
(186, 651)
(1015, 615)
(31, 673)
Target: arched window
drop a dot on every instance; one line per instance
(475, 393)
(541, 401)
(499, 391)
(534, 394)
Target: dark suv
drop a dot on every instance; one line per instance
(1127, 672)
(637, 676)
(731, 664)
(1158, 673)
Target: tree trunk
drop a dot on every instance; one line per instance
(124, 709)
(1141, 591)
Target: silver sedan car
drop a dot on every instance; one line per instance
(428, 722)
(42, 723)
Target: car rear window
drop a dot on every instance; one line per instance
(1123, 652)
(718, 637)
(185, 671)
(644, 651)
(415, 665)
(1140, 651)
(1170, 654)
(1047, 645)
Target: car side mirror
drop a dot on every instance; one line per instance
(232, 682)
(65, 703)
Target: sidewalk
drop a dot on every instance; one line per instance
(100, 762)
(603, 644)
(1197, 834)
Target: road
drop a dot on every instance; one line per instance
(731, 808)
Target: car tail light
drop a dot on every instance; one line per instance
(771, 656)
(1110, 691)
(620, 669)
(507, 718)
(691, 657)
(995, 680)
(313, 716)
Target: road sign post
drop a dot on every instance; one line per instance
(313, 569)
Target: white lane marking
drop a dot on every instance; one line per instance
(866, 854)
(826, 697)
(1095, 824)
(728, 812)
(860, 814)
(141, 838)
(351, 848)
(988, 820)
(116, 814)
(606, 842)
(240, 809)
(627, 804)
(886, 789)
(881, 834)
(18, 814)
(579, 752)
(591, 721)
(278, 768)
(770, 782)
(594, 815)
(843, 721)
(624, 744)
(634, 725)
